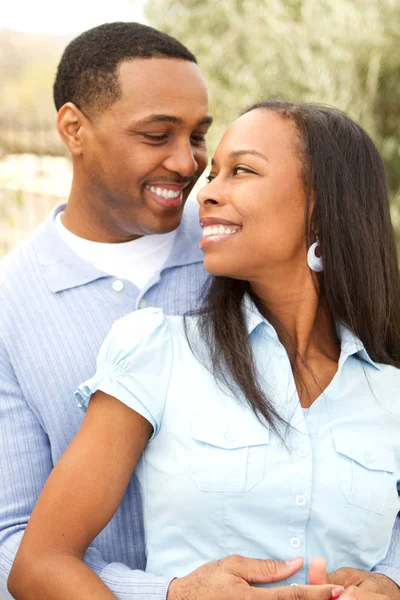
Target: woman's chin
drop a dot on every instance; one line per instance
(218, 268)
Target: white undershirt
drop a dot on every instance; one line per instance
(137, 260)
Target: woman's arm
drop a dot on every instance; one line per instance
(80, 497)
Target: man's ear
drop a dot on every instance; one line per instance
(69, 126)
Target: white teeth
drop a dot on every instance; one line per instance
(219, 230)
(164, 193)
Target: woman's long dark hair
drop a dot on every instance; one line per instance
(347, 205)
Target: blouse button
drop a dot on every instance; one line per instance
(300, 500)
(370, 459)
(302, 452)
(118, 285)
(295, 542)
(143, 304)
(230, 436)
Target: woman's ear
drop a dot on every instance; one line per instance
(69, 125)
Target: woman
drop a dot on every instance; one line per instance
(267, 424)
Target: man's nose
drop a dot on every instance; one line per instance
(182, 160)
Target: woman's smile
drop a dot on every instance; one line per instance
(217, 230)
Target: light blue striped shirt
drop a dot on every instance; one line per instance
(55, 311)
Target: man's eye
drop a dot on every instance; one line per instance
(154, 137)
(210, 177)
(198, 139)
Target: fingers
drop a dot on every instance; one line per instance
(317, 572)
(346, 576)
(255, 570)
(356, 593)
(300, 592)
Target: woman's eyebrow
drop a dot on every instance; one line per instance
(238, 153)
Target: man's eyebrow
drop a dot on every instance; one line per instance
(206, 121)
(161, 118)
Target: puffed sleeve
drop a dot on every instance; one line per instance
(134, 365)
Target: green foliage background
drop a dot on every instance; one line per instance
(345, 53)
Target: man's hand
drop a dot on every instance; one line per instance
(230, 579)
(355, 581)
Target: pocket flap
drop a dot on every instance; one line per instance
(374, 456)
(227, 433)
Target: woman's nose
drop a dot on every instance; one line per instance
(209, 194)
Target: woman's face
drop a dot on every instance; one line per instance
(252, 210)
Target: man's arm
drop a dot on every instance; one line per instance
(25, 464)
(390, 565)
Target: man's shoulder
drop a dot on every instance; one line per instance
(19, 267)
(17, 258)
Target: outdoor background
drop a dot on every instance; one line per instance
(340, 52)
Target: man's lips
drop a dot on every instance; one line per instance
(167, 195)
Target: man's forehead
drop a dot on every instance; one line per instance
(154, 73)
(163, 90)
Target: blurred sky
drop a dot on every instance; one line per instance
(74, 16)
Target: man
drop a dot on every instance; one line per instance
(132, 110)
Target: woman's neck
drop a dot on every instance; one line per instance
(304, 327)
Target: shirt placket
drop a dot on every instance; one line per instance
(300, 488)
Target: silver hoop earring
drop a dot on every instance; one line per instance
(314, 262)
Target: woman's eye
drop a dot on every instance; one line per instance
(210, 177)
(238, 170)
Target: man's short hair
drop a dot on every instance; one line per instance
(87, 72)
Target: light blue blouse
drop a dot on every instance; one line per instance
(215, 481)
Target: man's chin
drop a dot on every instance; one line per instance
(166, 224)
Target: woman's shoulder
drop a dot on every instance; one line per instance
(137, 332)
(146, 329)
(385, 384)
(145, 318)
(388, 374)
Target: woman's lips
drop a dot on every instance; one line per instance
(217, 232)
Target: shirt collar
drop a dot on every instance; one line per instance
(350, 343)
(62, 269)
(253, 318)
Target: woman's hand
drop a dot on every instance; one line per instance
(360, 585)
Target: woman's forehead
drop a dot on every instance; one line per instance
(262, 130)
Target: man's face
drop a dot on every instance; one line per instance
(141, 156)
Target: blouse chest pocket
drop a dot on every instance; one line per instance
(364, 471)
(227, 458)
